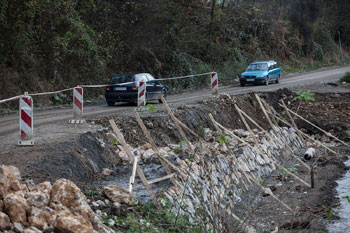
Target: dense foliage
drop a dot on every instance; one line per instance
(48, 45)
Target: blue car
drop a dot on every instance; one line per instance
(261, 72)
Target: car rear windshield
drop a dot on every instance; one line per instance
(257, 66)
(122, 78)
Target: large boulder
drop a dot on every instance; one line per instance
(60, 207)
(65, 195)
(16, 207)
(118, 194)
(70, 223)
(5, 222)
(10, 181)
(67, 198)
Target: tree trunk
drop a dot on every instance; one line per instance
(211, 21)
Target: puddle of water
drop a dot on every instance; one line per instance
(343, 211)
(152, 172)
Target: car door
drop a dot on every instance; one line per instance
(151, 95)
(272, 71)
(157, 88)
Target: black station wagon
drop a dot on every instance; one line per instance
(123, 88)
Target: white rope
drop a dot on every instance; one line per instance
(51, 92)
(182, 77)
(103, 85)
(9, 99)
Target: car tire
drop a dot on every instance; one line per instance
(267, 80)
(242, 84)
(110, 103)
(278, 79)
(164, 94)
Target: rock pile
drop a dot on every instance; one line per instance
(60, 207)
(220, 172)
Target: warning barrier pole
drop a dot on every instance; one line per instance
(214, 83)
(141, 95)
(26, 120)
(78, 103)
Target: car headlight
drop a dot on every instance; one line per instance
(260, 76)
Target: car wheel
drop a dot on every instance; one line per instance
(278, 79)
(242, 84)
(163, 94)
(110, 103)
(267, 80)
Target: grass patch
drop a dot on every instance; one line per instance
(345, 78)
(146, 218)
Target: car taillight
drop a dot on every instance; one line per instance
(134, 88)
(108, 88)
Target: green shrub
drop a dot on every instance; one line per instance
(345, 78)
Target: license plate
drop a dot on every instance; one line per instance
(120, 88)
(250, 79)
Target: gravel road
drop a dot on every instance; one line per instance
(9, 125)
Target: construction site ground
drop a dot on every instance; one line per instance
(58, 151)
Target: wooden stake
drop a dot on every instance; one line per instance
(131, 158)
(156, 180)
(154, 146)
(312, 176)
(270, 192)
(291, 118)
(267, 106)
(305, 135)
(132, 178)
(327, 133)
(246, 125)
(245, 143)
(189, 130)
(264, 110)
(214, 123)
(267, 133)
(182, 134)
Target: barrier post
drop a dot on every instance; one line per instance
(78, 102)
(214, 83)
(26, 120)
(141, 95)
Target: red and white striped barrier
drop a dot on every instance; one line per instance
(214, 83)
(26, 120)
(78, 101)
(141, 95)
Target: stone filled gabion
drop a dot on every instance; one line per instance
(218, 175)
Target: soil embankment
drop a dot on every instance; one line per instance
(83, 158)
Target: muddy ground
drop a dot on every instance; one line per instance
(82, 157)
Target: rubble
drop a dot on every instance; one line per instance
(60, 207)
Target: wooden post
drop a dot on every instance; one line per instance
(291, 118)
(267, 107)
(154, 146)
(157, 180)
(327, 133)
(189, 130)
(264, 110)
(246, 125)
(305, 135)
(245, 143)
(133, 173)
(312, 176)
(131, 158)
(182, 134)
(214, 123)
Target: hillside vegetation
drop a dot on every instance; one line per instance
(49, 45)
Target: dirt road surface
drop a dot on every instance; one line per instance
(52, 124)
